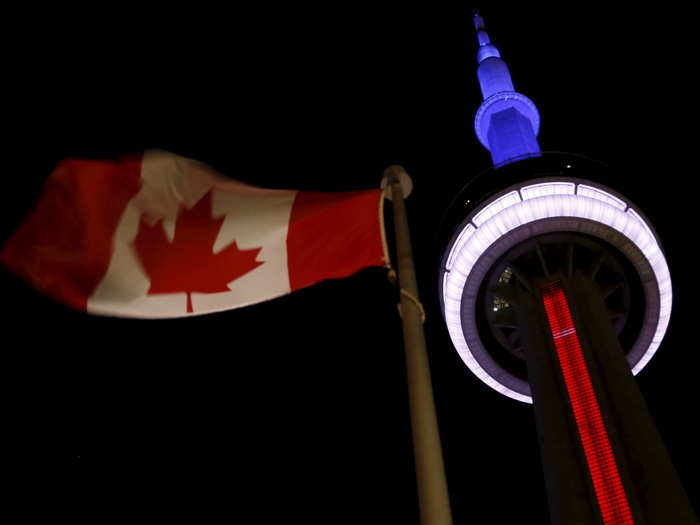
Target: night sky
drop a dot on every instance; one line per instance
(296, 409)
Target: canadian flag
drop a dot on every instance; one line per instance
(157, 235)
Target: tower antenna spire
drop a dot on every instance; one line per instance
(507, 122)
(478, 20)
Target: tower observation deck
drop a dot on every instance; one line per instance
(556, 291)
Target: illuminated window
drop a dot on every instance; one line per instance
(500, 304)
(506, 275)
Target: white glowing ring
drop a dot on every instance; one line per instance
(535, 202)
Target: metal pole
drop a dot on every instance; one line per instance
(433, 499)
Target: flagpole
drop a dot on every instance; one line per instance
(433, 499)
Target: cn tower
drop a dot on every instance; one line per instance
(556, 292)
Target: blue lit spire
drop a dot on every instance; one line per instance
(507, 122)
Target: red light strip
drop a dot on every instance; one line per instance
(607, 484)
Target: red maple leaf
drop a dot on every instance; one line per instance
(188, 263)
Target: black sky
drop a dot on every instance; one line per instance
(296, 409)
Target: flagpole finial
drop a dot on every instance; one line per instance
(396, 173)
